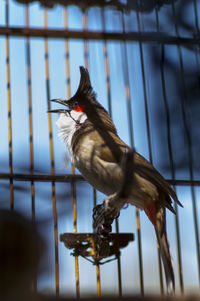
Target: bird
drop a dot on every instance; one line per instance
(98, 153)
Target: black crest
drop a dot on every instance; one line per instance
(84, 93)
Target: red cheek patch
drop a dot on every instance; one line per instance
(79, 109)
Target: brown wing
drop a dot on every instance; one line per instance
(147, 171)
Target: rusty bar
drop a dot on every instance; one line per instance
(73, 169)
(98, 35)
(28, 66)
(148, 133)
(170, 156)
(118, 263)
(85, 29)
(75, 178)
(173, 177)
(140, 251)
(127, 84)
(9, 110)
(187, 133)
(128, 100)
(105, 49)
(42, 177)
(52, 161)
(86, 60)
(97, 266)
(98, 280)
(75, 231)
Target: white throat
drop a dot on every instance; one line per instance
(68, 123)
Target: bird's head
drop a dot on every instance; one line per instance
(82, 107)
(83, 97)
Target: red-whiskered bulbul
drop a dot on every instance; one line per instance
(97, 151)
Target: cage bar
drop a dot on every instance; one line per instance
(52, 160)
(183, 100)
(148, 133)
(9, 110)
(28, 64)
(74, 201)
(139, 37)
(97, 35)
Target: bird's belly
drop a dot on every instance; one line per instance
(108, 179)
(101, 178)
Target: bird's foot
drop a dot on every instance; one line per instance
(104, 214)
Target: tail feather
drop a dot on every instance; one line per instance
(161, 234)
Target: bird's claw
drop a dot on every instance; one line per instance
(103, 216)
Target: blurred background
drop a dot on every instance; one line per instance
(144, 63)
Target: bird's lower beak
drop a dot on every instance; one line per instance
(60, 101)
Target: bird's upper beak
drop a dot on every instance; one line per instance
(62, 102)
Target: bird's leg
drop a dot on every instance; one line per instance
(103, 217)
(104, 214)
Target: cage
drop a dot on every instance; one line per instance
(143, 59)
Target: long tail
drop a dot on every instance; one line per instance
(160, 228)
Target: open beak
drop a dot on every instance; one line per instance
(62, 102)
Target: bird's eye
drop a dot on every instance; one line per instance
(75, 104)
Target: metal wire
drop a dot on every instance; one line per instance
(86, 60)
(86, 35)
(148, 134)
(75, 178)
(96, 35)
(187, 132)
(52, 161)
(9, 110)
(130, 120)
(28, 64)
(168, 126)
(105, 51)
(73, 169)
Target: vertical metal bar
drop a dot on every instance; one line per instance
(129, 109)
(118, 263)
(197, 52)
(187, 132)
(196, 16)
(105, 50)
(148, 133)
(140, 251)
(170, 154)
(86, 50)
(86, 59)
(28, 64)
(73, 169)
(97, 266)
(52, 161)
(9, 110)
(127, 84)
